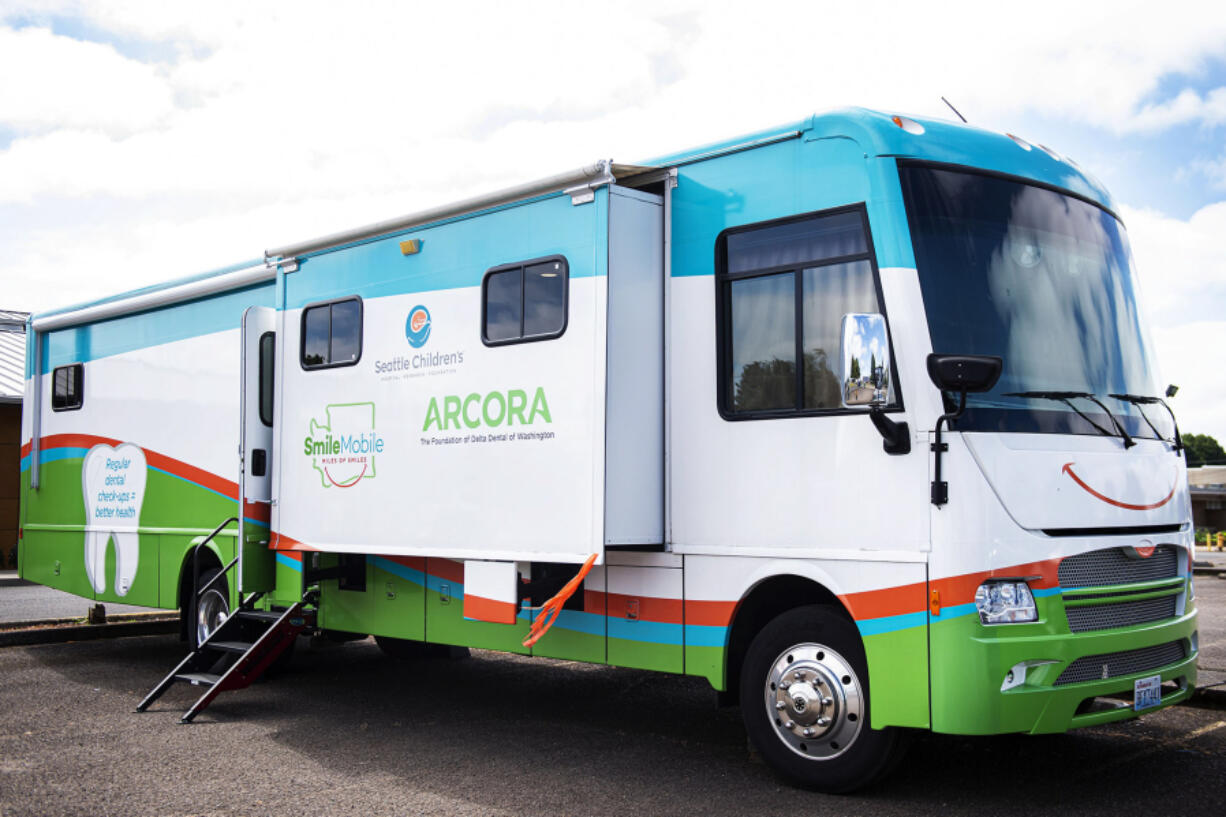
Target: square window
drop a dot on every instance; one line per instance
(332, 334)
(524, 302)
(783, 288)
(68, 387)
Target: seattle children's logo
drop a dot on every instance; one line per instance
(417, 327)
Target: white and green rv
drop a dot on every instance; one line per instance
(856, 418)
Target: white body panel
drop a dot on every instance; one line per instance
(180, 399)
(791, 486)
(530, 491)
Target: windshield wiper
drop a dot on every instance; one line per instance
(1139, 400)
(1067, 398)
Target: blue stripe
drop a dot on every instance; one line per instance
(396, 569)
(216, 313)
(53, 454)
(705, 635)
(889, 624)
(957, 611)
(580, 622)
(454, 589)
(292, 564)
(652, 632)
(454, 254)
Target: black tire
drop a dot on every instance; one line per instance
(406, 649)
(805, 702)
(204, 615)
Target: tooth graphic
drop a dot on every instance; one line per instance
(113, 486)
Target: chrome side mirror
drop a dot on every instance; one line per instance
(864, 354)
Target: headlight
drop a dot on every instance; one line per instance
(1005, 602)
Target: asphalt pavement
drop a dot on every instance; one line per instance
(23, 601)
(346, 731)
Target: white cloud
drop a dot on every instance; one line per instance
(1212, 169)
(49, 82)
(1180, 263)
(1192, 357)
(270, 123)
(1187, 106)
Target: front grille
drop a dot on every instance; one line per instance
(1125, 614)
(1112, 566)
(1128, 662)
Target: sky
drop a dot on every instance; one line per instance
(142, 141)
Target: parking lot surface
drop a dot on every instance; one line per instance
(347, 731)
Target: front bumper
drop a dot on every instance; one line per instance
(970, 663)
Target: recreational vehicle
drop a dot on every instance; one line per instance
(857, 418)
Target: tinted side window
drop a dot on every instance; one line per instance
(68, 387)
(268, 343)
(332, 334)
(783, 288)
(524, 302)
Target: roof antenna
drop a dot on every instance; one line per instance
(955, 110)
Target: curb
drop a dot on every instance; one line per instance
(59, 630)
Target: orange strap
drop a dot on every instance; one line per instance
(551, 609)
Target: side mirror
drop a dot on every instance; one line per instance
(964, 373)
(864, 354)
(865, 378)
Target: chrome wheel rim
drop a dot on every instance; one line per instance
(814, 701)
(211, 612)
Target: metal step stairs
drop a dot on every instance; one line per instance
(236, 654)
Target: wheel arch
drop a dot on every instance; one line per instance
(769, 597)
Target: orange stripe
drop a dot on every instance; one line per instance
(889, 601)
(593, 602)
(710, 613)
(447, 569)
(483, 609)
(415, 562)
(664, 611)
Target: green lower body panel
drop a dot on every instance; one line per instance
(392, 602)
(174, 513)
(972, 662)
(897, 674)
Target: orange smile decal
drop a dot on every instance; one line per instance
(1068, 468)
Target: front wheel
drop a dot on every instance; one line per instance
(805, 702)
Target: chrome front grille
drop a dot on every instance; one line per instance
(1124, 614)
(1128, 662)
(1114, 566)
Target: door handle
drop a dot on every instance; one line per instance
(259, 462)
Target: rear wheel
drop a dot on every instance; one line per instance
(805, 702)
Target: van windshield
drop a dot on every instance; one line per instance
(1045, 281)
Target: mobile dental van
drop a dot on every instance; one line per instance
(856, 418)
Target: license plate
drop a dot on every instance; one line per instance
(1147, 693)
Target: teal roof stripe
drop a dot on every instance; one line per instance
(204, 316)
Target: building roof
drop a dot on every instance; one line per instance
(12, 355)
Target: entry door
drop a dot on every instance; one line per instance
(256, 566)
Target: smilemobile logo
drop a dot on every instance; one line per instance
(343, 447)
